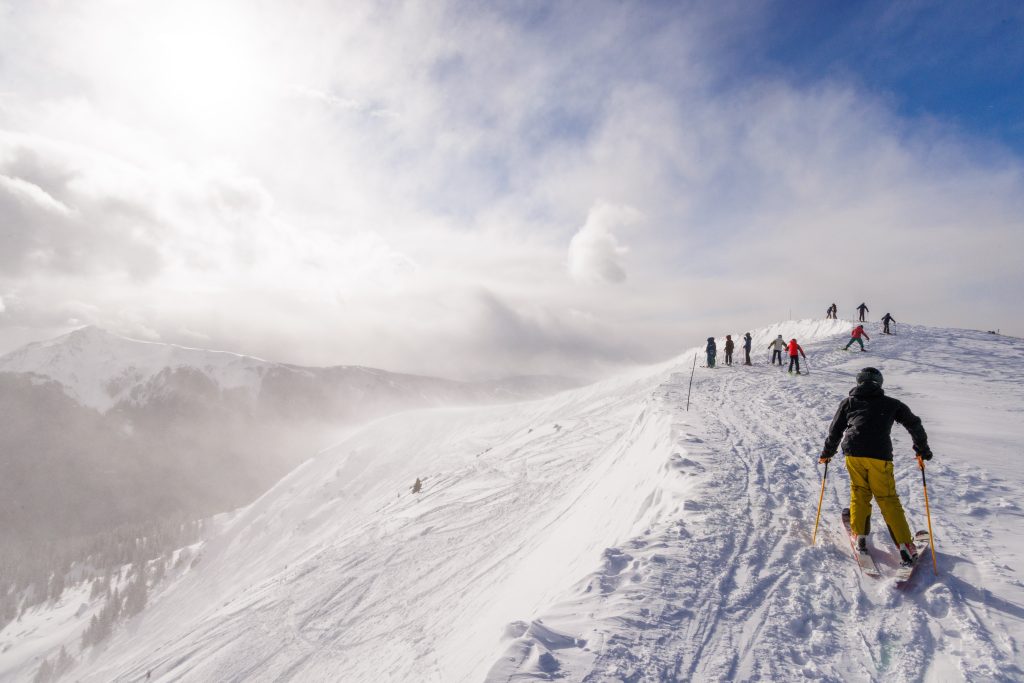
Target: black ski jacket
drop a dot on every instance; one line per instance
(866, 417)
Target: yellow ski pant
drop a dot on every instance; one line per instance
(869, 478)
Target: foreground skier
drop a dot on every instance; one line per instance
(866, 417)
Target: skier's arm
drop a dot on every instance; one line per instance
(801, 350)
(835, 430)
(913, 425)
(865, 333)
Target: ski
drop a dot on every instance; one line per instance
(863, 557)
(905, 573)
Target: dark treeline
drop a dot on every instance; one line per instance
(33, 573)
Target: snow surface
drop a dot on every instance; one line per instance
(607, 534)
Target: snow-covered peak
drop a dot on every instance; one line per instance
(99, 369)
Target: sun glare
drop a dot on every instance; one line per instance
(196, 63)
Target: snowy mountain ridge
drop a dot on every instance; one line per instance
(100, 369)
(606, 533)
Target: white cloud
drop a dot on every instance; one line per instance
(594, 251)
(411, 208)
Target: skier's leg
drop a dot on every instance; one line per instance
(796, 359)
(860, 495)
(883, 487)
(845, 348)
(861, 342)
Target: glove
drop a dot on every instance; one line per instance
(824, 459)
(925, 454)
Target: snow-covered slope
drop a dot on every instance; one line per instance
(608, 534)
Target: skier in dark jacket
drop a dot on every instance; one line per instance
(866, 418)
(747, 341)
(729, 346)
(830, 312)
(855, 336)
(863, 309)
(886, 319)
(712, 351)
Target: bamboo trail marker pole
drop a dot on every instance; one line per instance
(821, 497)
(692, 370)
(928, 512)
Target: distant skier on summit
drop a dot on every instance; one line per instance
(863, 309)
(830, 312)
(855, 336)
(886, 319)
(729, 346)
(747, 341)
(711, 350)
(866, 417)
(777, 346)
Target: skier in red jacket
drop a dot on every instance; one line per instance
(855, 336)
(794, 356)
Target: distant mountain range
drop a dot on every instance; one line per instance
(100, 430)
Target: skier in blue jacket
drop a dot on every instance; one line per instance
(712, 351)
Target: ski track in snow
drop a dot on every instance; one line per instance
(732, 590)
(612, 536)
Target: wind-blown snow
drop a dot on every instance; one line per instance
(607, 534)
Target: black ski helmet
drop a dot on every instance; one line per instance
(869, 375)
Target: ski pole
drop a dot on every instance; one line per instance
(692, 370)
(928, 512)
(821, 497)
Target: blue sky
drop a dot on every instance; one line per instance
(474, 189)
(961, 62)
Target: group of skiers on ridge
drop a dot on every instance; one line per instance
(792, 348)
(832, 313)
(777, 346)
(863, 423)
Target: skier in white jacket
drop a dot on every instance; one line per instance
(777, 346)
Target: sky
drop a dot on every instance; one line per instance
(487, 189)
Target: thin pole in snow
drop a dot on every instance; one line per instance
(692, 370)
(931, 538)
(821, 497)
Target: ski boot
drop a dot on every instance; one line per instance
(908, 554)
